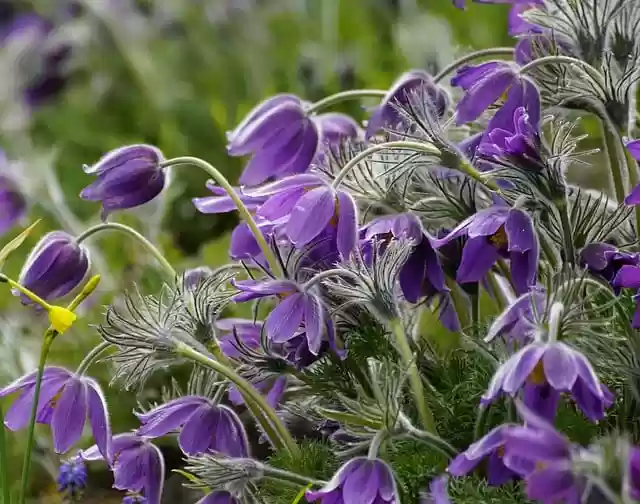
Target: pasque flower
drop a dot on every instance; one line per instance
(204, 426)
(606, 260)
(633, 147)
(518, 322)
(219, 497)
(628, 277)
(362, 480)
(65, 402)
(494, 233)
(13, 205)
(127, 177)
(543, 371)
(55, 267)
(137, 465)
(386, 114)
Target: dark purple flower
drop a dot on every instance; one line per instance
(221, 202)
(306, 206)
(550, 368)
(243, 243)
(628, 277)
(518, 322)
(65, 402)
(605, 260)
(296, 307)
(422, 275)
(134, 498)
(386, 114)
(204, 426)
(127, 177)
(494, 233)
(72, 478)
(219, 497)
(544, 456)
(491, 448)
(55, 267)
(280, 137)
(363, 480)
(137, 465)
(13, 205)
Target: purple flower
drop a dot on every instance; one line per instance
(335, 127)
(55, 267)
(65, 402)
(221, 202)
(437, 492)
(628, 276)
(491, 448)
(72, 478)
(296, 307)
(545, 370)
(518, 322)
(362, 480)
(517, 24)
(386, 114)
(606, 260)
(309, 206)
(279, 135)
(137, 465)
(127, 177)
(633, 147)
(422, 275)
(13, 205)
(219, 497)
(544, 457)
(494, 233)
(193, 277)
(204, 426)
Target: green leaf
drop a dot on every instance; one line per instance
(16, 242)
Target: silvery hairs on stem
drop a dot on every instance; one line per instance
(216, 471)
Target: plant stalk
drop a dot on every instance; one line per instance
(351, 94)
(4, 463)
(92, 356)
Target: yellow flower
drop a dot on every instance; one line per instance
(61, 319)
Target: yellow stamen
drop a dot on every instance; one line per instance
(499, 238)
(333, 222)
(537, 375)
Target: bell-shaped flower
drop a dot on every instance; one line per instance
(137, 465)
(296, 307)
(628, 277)
(66, 401)
(387, 114)
(204, 426)
(606, 260)
(489, 448)
(518, 322)
(422, 275)
(361, 480)
(550, 369)
(438, 493)
(494, 233)
(55, 267)
(127, 177)
(13, 205)
(518, 25)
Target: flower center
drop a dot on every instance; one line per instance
(537, 376)
(333, 222)
(499, 238)
(54, 400)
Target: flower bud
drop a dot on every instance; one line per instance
(12, 204)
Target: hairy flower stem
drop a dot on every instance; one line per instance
(611, 147)
(376, 442)
(92, 356)
(323, 275)
(281, 475)
(251, 396)
(565, 60)
(493, 51)
(567, 231)
(4, 463)
(436, 442)
(221, 180)
(351, 94)
(166, 266)
(426, 417)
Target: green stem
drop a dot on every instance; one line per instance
(481, 422)
(4, 463)
(279, 474)
(494, 51)
(435, 442)
(249, 393)
(92, 356)
(350, 94)
(475, 311)
(459, 302)
(267, 428)
(221, 180)
(567, 232)
(26, 463)
(376, 442)
(414, 375)
(115, 226)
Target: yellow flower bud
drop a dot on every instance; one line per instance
(61, 319)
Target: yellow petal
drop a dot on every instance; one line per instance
(61, 319)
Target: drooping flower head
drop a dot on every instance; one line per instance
(137, 465)
(606, 260)
(127, 177)
(359, 480)
(494, 233)
(628, 277)
(204, 426)
(519, 321)
(13, 205)
(55, 267)
(66, 401)
(386, 114)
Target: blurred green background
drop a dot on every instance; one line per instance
(179, 74)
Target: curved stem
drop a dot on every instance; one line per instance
(92, 356)
(377, 440)
(436, 442)
(250, 394)
(279, 474)
(341, 96)
(4, 463)
(414, 375)
(566, 60)
(323, 275)
(115, 226)
(242, 209)
(481, 422)
(494, 51)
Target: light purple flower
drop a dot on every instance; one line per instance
(127, 177)
(55, 267)
(194, 277)
(361, 480)
(558, 366)
(204, 426)
(13, 205)
(137, 465)
(66, 401)
(219, 497)
(517, 24)
(628, 277)
(633, 198)
(437, 492)
(494, 233)
(519, 321)
(221, 202)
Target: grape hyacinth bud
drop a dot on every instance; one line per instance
(55, 267)
(127, 177)
(72, 478)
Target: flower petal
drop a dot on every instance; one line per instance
(99, 418)
(524, 362)
(69, 415)
(313, 323)
(560, 368)
(478, 257)
(284, 320)
(347, 225)
(311, 215)
(169, 416)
